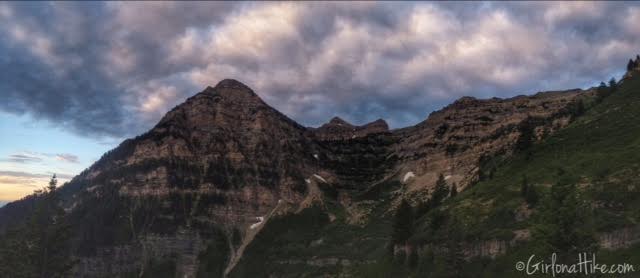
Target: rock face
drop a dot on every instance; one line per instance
(621, 238)
(454, 140)
(215, 162)
(197, 182)
(632, 69)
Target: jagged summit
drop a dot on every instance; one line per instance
(632, 68)
(233, 89)
(339, 121)
(379, 123)
(232, 83)
(231, 106)
(339, 129)
(464, 102)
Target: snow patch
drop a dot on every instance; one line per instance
(447, 177)
(320, 178)
(315, 155)
(407, 176)
(354, 136)
(255, 225)
(307, 180)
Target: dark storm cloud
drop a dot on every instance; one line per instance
(115, 68)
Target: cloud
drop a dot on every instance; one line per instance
(113, 69)
(17, 184)
(67, 157)
(23, 158)
(23, 174)
(32, 157)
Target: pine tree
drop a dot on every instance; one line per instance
(440, 192)
(529, 193)
(524, 188)
(526, 139)
(579, 108)
(454, 191)
(630, 65)
(40, 248)
(14, 254)
(453, 257)
(52, 233)
(602, 92)
(613, 84)
(403, 223)
(562, 223)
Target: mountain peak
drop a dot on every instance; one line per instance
(233, 90)
(232, 83)
(339, 121)
(380, 125)
(224, 105)
(339, 129)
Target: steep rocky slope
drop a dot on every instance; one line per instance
(454, 141)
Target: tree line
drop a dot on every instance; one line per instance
(39, 247)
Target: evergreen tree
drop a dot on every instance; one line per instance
(440, 192)
(524, 188)
(413, 259)
(613, 84)
(529, 193)
(40, 248)
(630, 65)
(579, 108)
(576, 108)
(453, 256)
(526, 139)
(602, 92)
(402, 223)
(423, 208)
(562, 223)
(14, 257)
(454, 190)
(51, 231)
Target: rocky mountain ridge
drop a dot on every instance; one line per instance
(216, 166)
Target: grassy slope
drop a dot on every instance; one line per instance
(600, 152)
(287, 243)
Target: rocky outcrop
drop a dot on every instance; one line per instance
(454, 140)
(619, 239)
(219, 160)
(633, 69)
(182, 249)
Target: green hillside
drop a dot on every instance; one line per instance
(585, 181)
(597, 157)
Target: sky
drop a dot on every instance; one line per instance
(78, 78)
